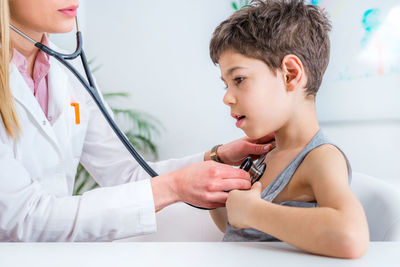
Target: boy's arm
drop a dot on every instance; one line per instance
(220, 218)
(338, 227)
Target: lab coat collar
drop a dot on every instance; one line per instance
(59, 98)
(23, 95)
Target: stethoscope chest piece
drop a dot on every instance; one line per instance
(256, 170)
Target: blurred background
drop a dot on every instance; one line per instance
(157, 51)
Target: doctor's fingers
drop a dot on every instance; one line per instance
(224, 171)
(227, 185)
(260, 149)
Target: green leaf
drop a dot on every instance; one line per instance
(144, 123)
(93, 68)
(90, 61)
(96, 68)
(141, 129)
(144, 143)
(81, 180)
(117, 94)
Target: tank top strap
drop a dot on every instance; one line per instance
(280, 182)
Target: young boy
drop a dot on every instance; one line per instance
(272, 55)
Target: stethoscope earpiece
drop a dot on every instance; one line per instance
(256, 172)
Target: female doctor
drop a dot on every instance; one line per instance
(41, 144)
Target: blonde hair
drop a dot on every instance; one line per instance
(7, 108)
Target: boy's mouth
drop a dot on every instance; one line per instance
(239, 118)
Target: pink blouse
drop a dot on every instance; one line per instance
(37, 83)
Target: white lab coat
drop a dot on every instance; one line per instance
(37, 171)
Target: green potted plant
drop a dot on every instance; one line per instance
(141, 128)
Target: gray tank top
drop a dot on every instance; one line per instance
(275, 187)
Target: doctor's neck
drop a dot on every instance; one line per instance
(26, 48)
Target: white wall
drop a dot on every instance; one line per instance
(372, 147)
(158, 51)
(160, 55)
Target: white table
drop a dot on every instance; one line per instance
(116, 254)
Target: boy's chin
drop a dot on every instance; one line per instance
(258, 132)
(254, 134)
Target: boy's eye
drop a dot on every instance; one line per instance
(238, 80)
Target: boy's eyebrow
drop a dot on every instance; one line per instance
(229, 72)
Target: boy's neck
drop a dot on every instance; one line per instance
(299, 129)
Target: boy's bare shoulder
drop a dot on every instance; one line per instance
(327, 152)
(324, 162)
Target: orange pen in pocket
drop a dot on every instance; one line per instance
(77, 116)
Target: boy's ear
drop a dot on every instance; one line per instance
(293, 72)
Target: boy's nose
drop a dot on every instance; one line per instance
(229, 99)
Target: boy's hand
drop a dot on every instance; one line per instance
(240, 205)
(236, 151)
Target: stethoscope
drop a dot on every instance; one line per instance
(90, 87)
(254, 169)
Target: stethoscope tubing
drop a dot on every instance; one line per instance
(91, 88)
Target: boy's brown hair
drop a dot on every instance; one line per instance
(269, 30)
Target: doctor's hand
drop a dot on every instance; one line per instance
(241, 205)
(206, 184)
(235, 152)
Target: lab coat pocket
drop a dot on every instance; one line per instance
(78, 123)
